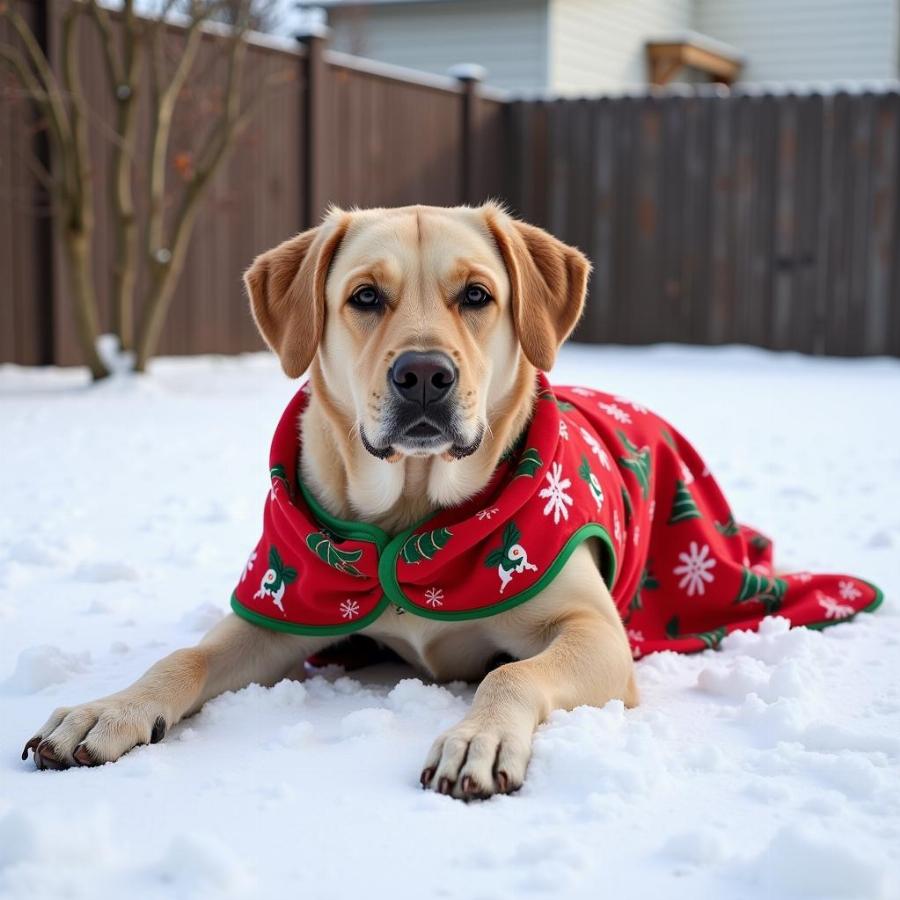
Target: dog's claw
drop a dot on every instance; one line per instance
(445, 786)
(159, 730)
(503, 782)
(83, 756)
(471, 788)
(46, 758)
(31, 745)
(424, 778)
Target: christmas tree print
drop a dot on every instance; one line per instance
(636, 461)
(683, 506)
(729, 528)
(626, 503)
(584, 470)
(279, 473)
(563, 405)
(510, 558)
(275, 579)
(529, 462)
(342, 560)
(760, 543)
(424, 546)
(711, 638)
(766, 589)
(648, 582)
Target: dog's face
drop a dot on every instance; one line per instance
(420, 317)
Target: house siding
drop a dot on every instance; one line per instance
(806, 40)
(598, 45)
(507, 37)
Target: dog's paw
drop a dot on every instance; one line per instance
(475, 760)
(95, 733)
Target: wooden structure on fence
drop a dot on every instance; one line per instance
(710, 218)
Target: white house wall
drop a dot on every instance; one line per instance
(507, 37)
(807, 40)
(598, 45)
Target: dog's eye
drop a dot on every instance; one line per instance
(475, 295)
(366, 297)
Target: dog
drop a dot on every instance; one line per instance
(424, 332)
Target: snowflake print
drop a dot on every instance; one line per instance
(584, 392)
(686, 474)
(248, 566)
(848, 590)
(555, 493)
(833, 609)
(694, 571)
(596, 449)
(434, 597)
(637, 407)
(615, 412)
(563, 429)
(487, 513)
(636, 537)
(803, 577)
(652, 509)
(636, 652)
(617, 528)
(349, 609)
(635, 635)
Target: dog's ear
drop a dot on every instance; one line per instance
(548, 280)
(287, 292)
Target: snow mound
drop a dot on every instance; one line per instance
(799, 863)
(103, 571)
(44, 665)
(198, 865)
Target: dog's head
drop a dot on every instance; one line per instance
(420, 317)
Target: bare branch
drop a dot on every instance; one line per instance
(80, 212)
(42, 82)
(114, 70)
(165, 99)
(165, 271)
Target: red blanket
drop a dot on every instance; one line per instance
(682, 572)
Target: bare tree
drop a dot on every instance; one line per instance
(157, 55)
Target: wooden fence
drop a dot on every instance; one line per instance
(768, 220)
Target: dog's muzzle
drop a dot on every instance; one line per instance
(422, 418)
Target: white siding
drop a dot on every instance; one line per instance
(806, 40)
(507, 37)
(598, 45)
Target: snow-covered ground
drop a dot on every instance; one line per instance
(768, 768)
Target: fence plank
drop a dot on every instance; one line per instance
(876, 331)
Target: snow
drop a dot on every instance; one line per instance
(767, 768)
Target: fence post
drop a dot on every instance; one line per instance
(469, 76)
(315, 121)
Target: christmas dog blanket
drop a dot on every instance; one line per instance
(682, 572)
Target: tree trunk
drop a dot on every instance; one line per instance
(164, 280)
(125, 272)
(77, 249)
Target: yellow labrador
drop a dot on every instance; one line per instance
(472, 301)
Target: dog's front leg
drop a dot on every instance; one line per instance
(233, 655)
(586, 661)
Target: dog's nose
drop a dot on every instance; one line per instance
(423, 378)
